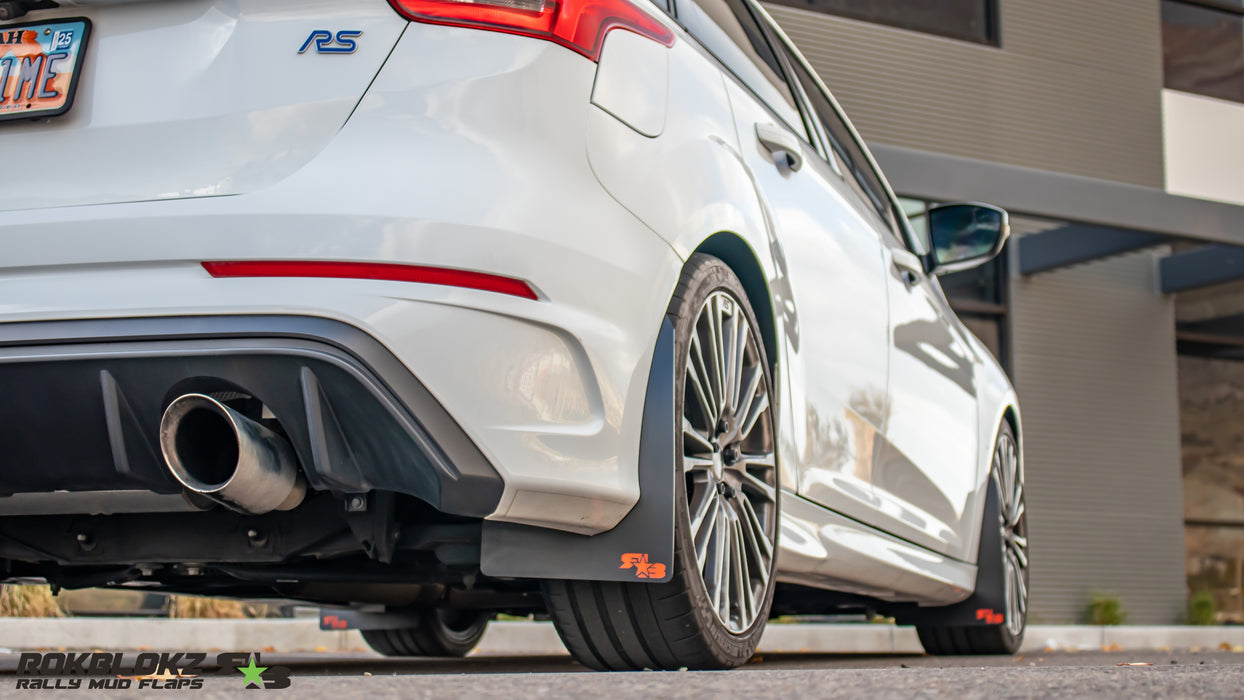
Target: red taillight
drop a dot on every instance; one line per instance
(371, 271)
(579, 25)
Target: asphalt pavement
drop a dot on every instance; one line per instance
(1151, 674)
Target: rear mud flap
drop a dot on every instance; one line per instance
(336, 619)
(641, 547)
(987, 604)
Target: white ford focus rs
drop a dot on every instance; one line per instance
(427, 310)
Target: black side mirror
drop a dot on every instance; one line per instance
(965, 235)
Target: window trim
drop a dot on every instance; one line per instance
(667, 7)
(901, 227)
(800, 131)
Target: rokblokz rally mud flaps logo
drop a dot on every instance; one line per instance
(175, 670)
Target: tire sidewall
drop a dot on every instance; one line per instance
(1011, 642)
(456, 642)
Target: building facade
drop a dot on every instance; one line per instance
(1113, 130)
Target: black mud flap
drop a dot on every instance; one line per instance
(987, 605)
(641, 547)
(347, 619)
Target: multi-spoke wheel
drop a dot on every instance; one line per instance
(728, 464)
(1014, 532)
(1007, 478)
(713, 610)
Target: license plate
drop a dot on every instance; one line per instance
(39, 67)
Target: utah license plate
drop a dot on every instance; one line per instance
(39, 67)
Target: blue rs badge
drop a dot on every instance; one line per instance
(325, 42)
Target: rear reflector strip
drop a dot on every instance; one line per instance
(372, 271)
(579, 25)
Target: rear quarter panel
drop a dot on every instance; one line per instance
(690, 182)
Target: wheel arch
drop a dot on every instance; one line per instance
(738, 255)
(1004, 409)
(1011, 415)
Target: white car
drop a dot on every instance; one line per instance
(434, 309)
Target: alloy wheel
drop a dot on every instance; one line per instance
(728, 461)
(1014, 532)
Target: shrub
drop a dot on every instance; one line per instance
(191, 606)
(28, 601)
(1201, 608)
(1105, 609)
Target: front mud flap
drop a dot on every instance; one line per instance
(987, 604)
(641, 546)
(337, 619)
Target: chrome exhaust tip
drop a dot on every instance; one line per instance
(215, 451)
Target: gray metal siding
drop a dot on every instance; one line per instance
(1095, 369)
(1075, 86)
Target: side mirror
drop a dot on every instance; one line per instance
(965, 235)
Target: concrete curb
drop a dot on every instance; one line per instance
(539, 638)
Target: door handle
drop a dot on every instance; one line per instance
(908, 265)
(781, 144)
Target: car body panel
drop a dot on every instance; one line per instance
(913, 501)
(797, 286)
(836, 357)
(823, 549)
(181, 99)
(931, 421)
(575, 362)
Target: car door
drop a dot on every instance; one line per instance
(833, 296)
(926, 474)
(923, 473)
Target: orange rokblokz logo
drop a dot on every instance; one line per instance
(182, 670)
(990, 617)
(643, 567)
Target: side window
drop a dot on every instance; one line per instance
(917, 224)
(729, 31)
(848, 152)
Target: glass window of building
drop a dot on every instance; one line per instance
(970, 20)
(1211, 417)
(1203, 47)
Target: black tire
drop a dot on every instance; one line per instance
(1002, 638)
(667, 626)
(439, 632)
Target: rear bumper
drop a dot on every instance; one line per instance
(466, 153)
(84, 400)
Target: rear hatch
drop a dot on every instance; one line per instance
(178, 98)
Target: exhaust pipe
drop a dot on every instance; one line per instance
(215, 451)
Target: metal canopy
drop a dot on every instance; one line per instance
(1077, 243)
(1202, 267)
(942, 178)
(1112, 217)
